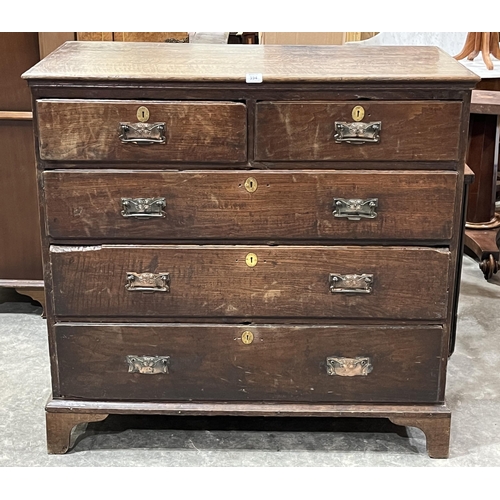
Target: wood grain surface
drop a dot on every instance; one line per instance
(276, 63)
(215, 204)
(215, 281)
(89, 130)
(16, 115)
(18, 52)
(284, 363)
(20, 252)
(483, 130)
(412, 130)
(220, 131)
(485, 102)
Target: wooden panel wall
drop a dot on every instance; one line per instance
(150, 36)
(49, 41)
(20, 254)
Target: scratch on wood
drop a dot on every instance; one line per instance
(61, 249)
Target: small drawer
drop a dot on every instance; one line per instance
(139, 281)
(170, 131)
(329, 131)
(398, 364)
(341, 205)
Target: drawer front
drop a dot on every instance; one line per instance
(304, 131)
(285, 363)
(250, 282)
(239, 205)
(76, 130)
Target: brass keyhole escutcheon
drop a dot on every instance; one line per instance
(251, 260)
(247, 337)
(251, 184)
(358, 113)
(143, 114)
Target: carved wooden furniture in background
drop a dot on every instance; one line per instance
(213, 246)
(483, 224)
(486, 42)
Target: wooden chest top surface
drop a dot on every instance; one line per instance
(118, 61)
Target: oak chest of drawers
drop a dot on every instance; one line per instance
(250, 230)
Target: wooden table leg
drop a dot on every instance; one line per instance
(483, 224)
(484, 42)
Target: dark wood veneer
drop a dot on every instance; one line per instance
(215, 205)
(89, 130)
(214, 364)
(213, 281)
(412, 247)
(414, 130)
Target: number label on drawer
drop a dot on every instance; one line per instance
(254, 78)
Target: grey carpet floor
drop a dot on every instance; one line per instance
(473, 394)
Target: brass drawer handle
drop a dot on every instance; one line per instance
(355, 209)
(142, 133)
(348, 367)
(351, 283)
(143, 207)
(148, 282)
(148, 365)
(357, 132)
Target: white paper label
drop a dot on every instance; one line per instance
(254, 77)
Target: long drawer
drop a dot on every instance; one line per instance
(319, 131)
(340, 205)
(270, 362)
(107, 130)
(250, 281)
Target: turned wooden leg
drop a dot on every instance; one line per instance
(477, 47)
(468, 47)
(436, 430)
(485, 49)
(59, 427)
(495, 44)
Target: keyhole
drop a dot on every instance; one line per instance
(247, 337)
(251, 184)
(143, 114)
(251, 260)
(358, 113)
